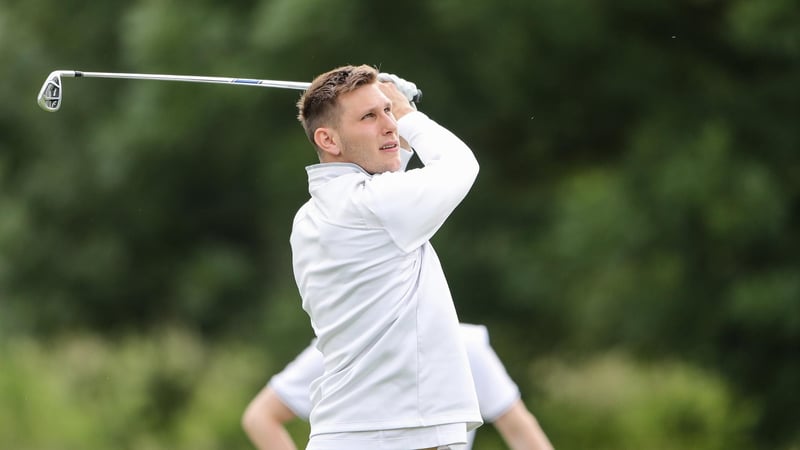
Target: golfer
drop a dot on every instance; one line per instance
(396, 374)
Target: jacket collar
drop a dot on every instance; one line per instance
(319, 174)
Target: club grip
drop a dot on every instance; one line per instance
(418, 97)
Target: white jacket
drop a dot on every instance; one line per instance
(376, 293)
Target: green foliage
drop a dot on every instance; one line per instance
(638, 186)
(610, 402)
(169, 390)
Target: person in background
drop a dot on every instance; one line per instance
(286, 397)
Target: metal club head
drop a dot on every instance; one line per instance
(49, 97)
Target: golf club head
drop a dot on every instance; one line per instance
(49, 98)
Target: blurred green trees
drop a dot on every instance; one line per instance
(638, 190)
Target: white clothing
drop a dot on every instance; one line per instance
(398, 439)
(495, 389)
(376, 294)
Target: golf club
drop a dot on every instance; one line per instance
(50, 95)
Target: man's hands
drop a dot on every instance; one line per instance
(401, 92)
(408, 88)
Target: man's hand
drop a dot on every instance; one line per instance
(400, 92)
(408, 88)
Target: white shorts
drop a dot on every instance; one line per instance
(445, 437)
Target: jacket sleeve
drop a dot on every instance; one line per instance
(413, 205)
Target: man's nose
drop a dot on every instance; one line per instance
(390, 124)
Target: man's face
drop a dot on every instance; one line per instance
(367, 130)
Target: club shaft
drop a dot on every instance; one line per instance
(189, 78)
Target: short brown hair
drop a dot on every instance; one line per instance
(317, 105)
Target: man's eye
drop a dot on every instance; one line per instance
(368, 116)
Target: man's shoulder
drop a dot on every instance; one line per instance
(302, 211)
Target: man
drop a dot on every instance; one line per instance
(396, 374)
(285, 397)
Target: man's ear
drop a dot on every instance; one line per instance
(328, 141)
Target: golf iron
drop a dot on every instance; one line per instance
(50, 95)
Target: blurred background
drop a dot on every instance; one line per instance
(631, 241)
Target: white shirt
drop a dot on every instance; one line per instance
(376, 293)
(495, 389)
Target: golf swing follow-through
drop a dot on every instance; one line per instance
(395, 372)
(50, 95)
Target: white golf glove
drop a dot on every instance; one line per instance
(406, 87)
